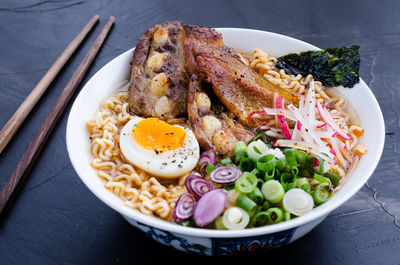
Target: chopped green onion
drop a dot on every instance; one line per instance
(247, 164)
(256, 196)
(334, 178)
(260, 218)
(260, 182)
(257, 149)
(286, 215)
(261, 136)
(288, 181)
(304, 172)
(210, 168)
(246, 183)
(186, 223)
(235, 218)
(267, 164)
(301, 157)
(290, 155)
(265, 205)
(321, 179)
(303, 184)
(268, 177)
(295, 171)
(298, 202)
(245, 203)
(240, 150)
(219, 224)
(321, 193)
(229, 186)
(273, 191)
(256, 172)
(281, 163)
(225, 161)
(276, 214)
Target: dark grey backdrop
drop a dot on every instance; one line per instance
(56, 220)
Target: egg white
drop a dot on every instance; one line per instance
(169, 164)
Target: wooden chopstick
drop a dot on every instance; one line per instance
(11, 127)
(34, 148)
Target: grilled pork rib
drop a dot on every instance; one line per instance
(159, 79)
(214, 126)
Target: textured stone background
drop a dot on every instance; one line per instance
(56, 220)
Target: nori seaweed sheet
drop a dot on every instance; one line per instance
(332, 66)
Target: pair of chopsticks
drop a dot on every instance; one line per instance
(34, 148)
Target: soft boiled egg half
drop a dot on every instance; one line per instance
(159, 148)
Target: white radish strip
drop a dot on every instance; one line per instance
(311, 99)
(275, 111)
(296, 135)
(276, 117)
(326, 116)
(306, 136)
(324, 134)
(309, 128)
(326, 158)
(274, 134)
(301, 102)
(281, 118)
(335, 147)
(343, 149)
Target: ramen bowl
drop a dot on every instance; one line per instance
(221, 242)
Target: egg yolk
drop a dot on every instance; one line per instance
(154, 134)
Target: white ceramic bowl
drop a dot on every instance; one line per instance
(218, 242)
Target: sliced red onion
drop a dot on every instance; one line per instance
(209, 207)
(198, 186)
(225, 174)
(206, 158)
(184, 207)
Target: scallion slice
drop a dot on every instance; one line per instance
(247, 164)
(240, 150)
(257, 196)
(321, 179)
(298, 202)
(245, 203)
(235, 218)
(273, 191)
(288, 181)
(267, 164)
(321, 193)
(334, 178)
(246, 183)
(219, 224)
(276, 214)
(303, 184)
(260, 218)
(257, 149)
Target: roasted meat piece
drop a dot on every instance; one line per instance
(159, 79)
(195, 36)
(238, 87)
(214, 126)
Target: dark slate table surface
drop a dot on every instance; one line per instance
(57, 220)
